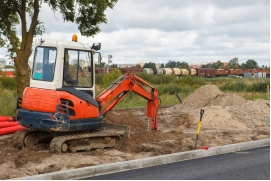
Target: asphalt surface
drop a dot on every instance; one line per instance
(253, 164)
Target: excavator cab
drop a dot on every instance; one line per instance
(60, 64)
(62, 88)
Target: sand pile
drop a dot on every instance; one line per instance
(201, 97)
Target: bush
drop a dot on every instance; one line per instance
(8, 102)
(99, 78)
(192, 81)
(157, 79)
(111, 77)
(235, 87)
(258, 87)
(8, 82)
(174, 89)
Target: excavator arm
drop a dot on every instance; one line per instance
(131, 83)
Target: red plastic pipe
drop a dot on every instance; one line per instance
(8, 124)
(12, 129)
(5, 118)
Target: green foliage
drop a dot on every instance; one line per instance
(183, 65)
(157, 79)
(217, 65)
(233, 64)
(236, 87)
(8, 102)
(174, 89)
(99, 78)
(150, 65)
(114, 66)
(8, 83)
(195, 82)
(258, 86)
(173, 64)
(250, 64)
(102, 65)
(240, 86)
(111, 77)
(162, 65)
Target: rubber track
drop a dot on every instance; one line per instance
(18, 138)
(56, 143)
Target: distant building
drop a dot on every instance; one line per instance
(141, 64)
(197, 64)
(225, 64)
(126, 65)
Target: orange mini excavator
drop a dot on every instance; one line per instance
(59, 105)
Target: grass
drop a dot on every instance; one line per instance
(252, 95)
(133, 100)
(7, 102)
(167, 91)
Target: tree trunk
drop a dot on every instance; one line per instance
(23, 73)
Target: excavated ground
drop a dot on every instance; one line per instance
(227, 119)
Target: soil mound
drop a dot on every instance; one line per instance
(202, 97)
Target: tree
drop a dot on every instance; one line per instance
(88, 16)
(217, 65)
(208, 65)
(184, 65)
(233, 64)
(250, 64)
(150, 65)
(171, 64)
(114, 66)
(102, 65)
(162, 65)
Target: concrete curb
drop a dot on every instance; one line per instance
(146, 162)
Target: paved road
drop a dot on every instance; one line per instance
(248, 164)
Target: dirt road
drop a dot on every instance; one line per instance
(227, 119)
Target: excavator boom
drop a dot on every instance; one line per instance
(131, 83)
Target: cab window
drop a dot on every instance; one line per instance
(44, 63)
(76, 68)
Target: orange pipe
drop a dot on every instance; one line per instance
(5, 118)
(8, 124)
(12, 129)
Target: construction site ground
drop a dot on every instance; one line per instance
(227, 119)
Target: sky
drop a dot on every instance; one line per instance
(177, 30)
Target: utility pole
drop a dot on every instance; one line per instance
(109, 61)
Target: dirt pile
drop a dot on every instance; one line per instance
(201, 97)
(227, 119)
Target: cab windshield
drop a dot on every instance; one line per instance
(77, 68)
(44, 63)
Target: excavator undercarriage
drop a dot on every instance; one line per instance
(109, 136)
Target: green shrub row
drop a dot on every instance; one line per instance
(240, 86)
(8, 102)
(8, 82)
(174, 89)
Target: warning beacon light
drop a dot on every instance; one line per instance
(74, 38)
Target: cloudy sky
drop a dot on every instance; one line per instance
(177, 30)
